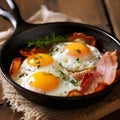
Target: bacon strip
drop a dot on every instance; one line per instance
(14, 68)
(30, 51)
(87, 83)
(107, 67)
(79, 75)
(81, 37)
(100, 86)
(74, 93)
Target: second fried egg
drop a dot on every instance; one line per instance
(76, 56)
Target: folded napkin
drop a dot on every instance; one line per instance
(33, 111)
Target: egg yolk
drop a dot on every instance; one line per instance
(77, 49)
(45, 81)
(40, 60)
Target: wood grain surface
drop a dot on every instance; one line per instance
(104, 14)
(113, 9)
(80, 9)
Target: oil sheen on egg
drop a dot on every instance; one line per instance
(41, 73)
(76, 56)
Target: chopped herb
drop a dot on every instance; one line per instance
(22, 75)
(78, 51)
(65, 91)
(46, 41)
(38, 66)
(56, 49)
(61, 52)
(38, 62)
(51, 54)
(75, 83)
(60, 64)
(99, 57)
(62, 75)
(36, 58)
(77, 59)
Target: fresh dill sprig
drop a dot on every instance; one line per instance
(46, 41)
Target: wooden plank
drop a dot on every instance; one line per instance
(88, 11)
(113, 116)
(0, 92)
(113, 8)
(3, 23)
(28, 7)
(80, 9)
(8, 114)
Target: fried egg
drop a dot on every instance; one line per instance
(41, 73)
(76, 56)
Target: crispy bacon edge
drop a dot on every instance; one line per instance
(30, 51)
(15, 66)
(74, 93)
(81, 37)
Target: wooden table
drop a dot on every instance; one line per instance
(102, 13)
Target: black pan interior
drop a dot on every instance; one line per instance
(10, 50)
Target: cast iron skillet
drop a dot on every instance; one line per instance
(10, 49)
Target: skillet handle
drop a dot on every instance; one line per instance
(13, 15)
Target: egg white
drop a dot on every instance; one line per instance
(75, 63)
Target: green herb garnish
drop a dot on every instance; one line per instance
(78, 51)
(23, 75)
(75, 83)
(77, 59)
(46, 41)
